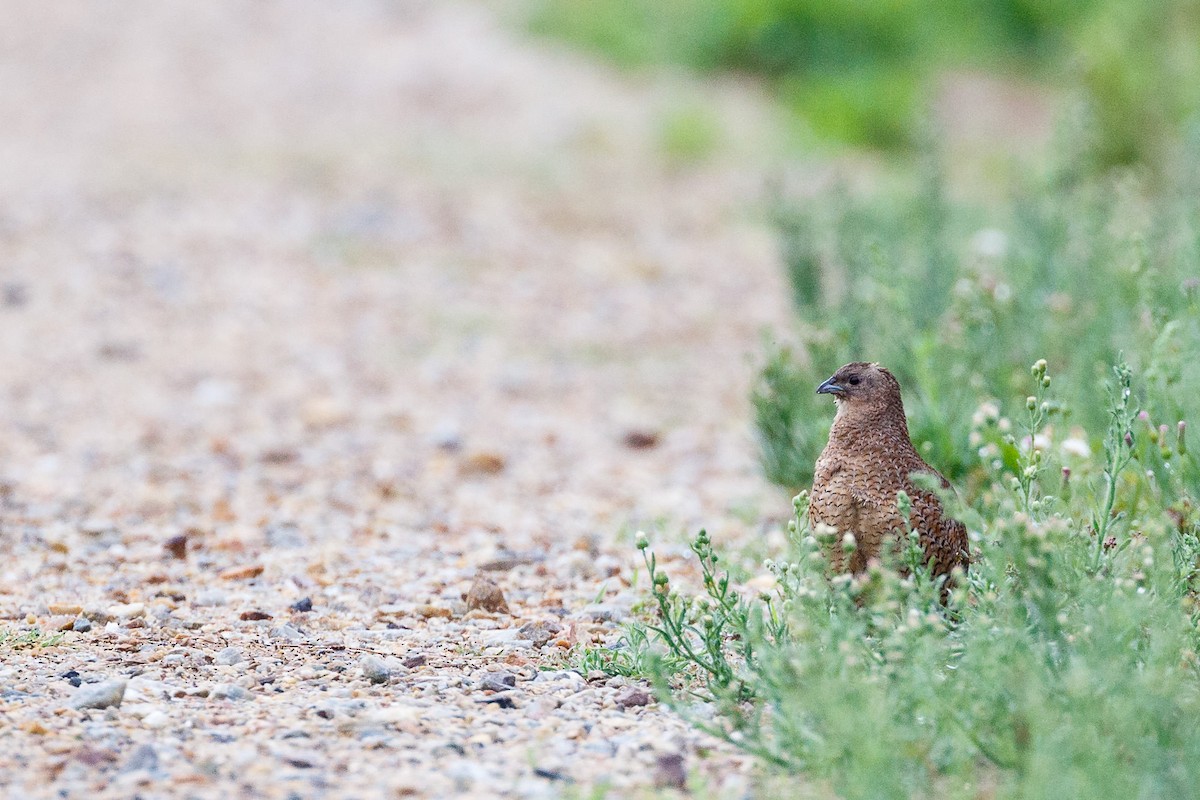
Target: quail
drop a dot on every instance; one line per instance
(869, 459)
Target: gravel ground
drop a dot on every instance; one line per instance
(310, 316)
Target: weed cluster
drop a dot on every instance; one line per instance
(1064, 665)
(954, 302)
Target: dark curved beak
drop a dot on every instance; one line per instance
(829, 387)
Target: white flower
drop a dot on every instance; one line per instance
(1076, 447)
(1040, 442)
(987, 414)
(989, 243)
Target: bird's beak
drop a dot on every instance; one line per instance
(829, 387)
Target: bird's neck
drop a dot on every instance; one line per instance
(863, 423)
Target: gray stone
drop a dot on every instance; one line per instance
(497, 681)
(568, 677)
(670, 772)
(374, 669)
(209, 597)
(107, 694)
(602, 612)
(81, 625)
(229, 656)
(145, 757)
(229, 691)
(287, 632)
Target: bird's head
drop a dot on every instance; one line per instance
(863, 385)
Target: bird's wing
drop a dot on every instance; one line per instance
(943, 538)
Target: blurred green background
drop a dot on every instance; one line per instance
(863, 73)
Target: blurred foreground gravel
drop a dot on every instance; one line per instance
(311, 315)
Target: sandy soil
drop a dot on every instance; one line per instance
(355, 302)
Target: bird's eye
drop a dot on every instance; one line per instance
(853, 381)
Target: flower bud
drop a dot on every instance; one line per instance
(1031, 402)
(849, 545)
(641, 542)
(1046, 382)
(825, 534)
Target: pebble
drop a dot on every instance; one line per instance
(540, 632)
(144, 757)
(669, 772)
(229, 656)
(107, 694)
(505, 639)
(602, 612)
(287, 632)
(486, 596)
(446, 436)
(505, 561)
(374, 669)
(497, 681)
(156, 720)
(483, 463)
(568, 677)
(176, 546)
(210, 597)
(242, 573)
(81, 625)
(630, 696)
(127, 610)
(70, 609)
(228, 691)
(303, 605)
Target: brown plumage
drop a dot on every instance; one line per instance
(868, 460)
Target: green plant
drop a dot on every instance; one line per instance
(953, 298)
(1064, 665)
(623, 658)
(31, 638)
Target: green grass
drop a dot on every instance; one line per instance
(1048, 354)
(955, 299)
(28, 639)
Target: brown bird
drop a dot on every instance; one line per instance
(868, 460)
